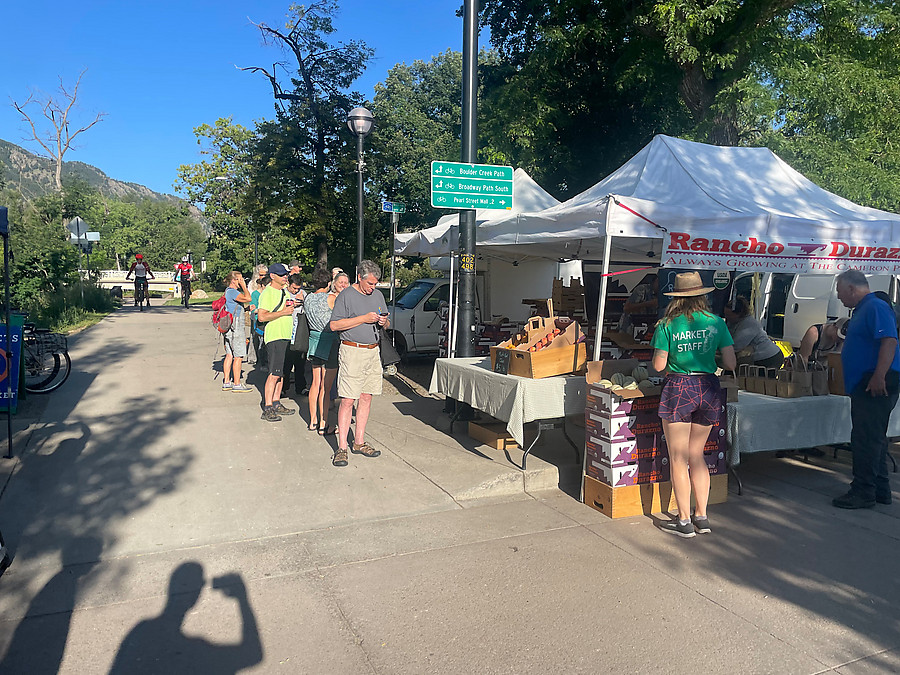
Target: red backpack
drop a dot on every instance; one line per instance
(221, 318)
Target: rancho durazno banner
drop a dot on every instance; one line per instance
(752, 254)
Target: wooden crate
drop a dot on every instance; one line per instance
(493, 434)
(636, 500)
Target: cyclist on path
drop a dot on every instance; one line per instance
(141, 270)
(184, 272)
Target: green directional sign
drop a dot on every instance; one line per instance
(471, 186)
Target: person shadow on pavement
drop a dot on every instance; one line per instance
(158, 645)
(39, 642)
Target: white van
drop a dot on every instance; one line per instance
(788, 304)
(415, 319)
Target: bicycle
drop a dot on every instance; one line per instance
(141, 292)
(46, 360)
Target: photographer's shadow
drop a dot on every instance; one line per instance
(158, 645)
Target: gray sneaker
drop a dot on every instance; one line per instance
(269, 415)
(279, 408)
(227, 386)
(701, 524)
(241, 388)
(674, 526)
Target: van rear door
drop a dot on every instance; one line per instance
(808, 303)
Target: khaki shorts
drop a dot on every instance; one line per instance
(359, 371)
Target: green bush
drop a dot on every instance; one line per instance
(64, 307)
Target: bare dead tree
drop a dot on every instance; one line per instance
(56, 140)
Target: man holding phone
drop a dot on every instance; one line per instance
(276, 309)
(359, 313)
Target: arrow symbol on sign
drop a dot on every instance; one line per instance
(439, 184)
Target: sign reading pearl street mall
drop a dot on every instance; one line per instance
(471, 186)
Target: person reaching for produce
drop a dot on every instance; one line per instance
(751, 343)
(685, 344)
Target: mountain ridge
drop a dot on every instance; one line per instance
(33, 176)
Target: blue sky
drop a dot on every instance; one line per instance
(159, 69)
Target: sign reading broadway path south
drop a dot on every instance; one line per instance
(471, 186)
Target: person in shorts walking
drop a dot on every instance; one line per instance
(685, 343)
(276, 309)
(358, 313)
(236, 338)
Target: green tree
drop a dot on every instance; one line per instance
(300, 167)
(221, 186)
(826, 99)
(418, 111)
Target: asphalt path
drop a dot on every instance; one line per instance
(158, 525)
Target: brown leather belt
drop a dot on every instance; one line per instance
(356, 344)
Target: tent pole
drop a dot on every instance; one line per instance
(601, 303)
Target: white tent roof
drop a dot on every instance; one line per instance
(698, 187)
(443, 238)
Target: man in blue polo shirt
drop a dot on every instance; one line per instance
(871, 361)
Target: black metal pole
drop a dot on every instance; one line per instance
(465, 345)
(9, 368)
(360, 224)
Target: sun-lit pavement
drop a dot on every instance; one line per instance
(158, 525)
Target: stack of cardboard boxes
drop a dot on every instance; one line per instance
(626, 459)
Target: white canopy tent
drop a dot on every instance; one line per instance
(694, 205)
(443, 238)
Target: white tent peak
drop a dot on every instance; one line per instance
(707, 179)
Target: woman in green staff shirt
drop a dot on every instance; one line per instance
(686, 340)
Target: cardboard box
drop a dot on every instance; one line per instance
(564, 355)
(651, 470)
(493, 434)
(836, 375)
(643, 499)
(715, 462)
(622, 427)
(618, 453)
(603, 370)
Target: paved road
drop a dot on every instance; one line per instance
(159, 525)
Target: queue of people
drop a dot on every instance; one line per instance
(344, 322)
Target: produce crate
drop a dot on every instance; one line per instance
(564, 355)
(644, 499)
(493, 434)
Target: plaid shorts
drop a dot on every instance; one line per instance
(691, 398)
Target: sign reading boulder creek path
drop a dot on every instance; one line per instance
(471, 186)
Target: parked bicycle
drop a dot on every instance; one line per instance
(46, 360)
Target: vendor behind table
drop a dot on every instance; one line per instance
(751, 343)
(822, 339)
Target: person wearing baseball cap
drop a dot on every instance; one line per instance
(276, 309)
(685, 342)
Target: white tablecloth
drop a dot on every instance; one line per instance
(758, 423)
(514, 400)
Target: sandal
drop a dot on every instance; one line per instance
(327, 431)
(340, 457)
(364, 449)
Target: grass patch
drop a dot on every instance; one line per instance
(78, 322)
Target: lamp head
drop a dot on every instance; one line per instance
(360, 121)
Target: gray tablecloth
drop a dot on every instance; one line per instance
(758, 423)
(514, 400)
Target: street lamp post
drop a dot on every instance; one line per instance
(360, 122)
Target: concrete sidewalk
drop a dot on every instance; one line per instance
(158, 525)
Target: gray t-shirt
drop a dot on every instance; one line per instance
(351, 303)
(748, 333)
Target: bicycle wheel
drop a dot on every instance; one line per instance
(46, 372)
